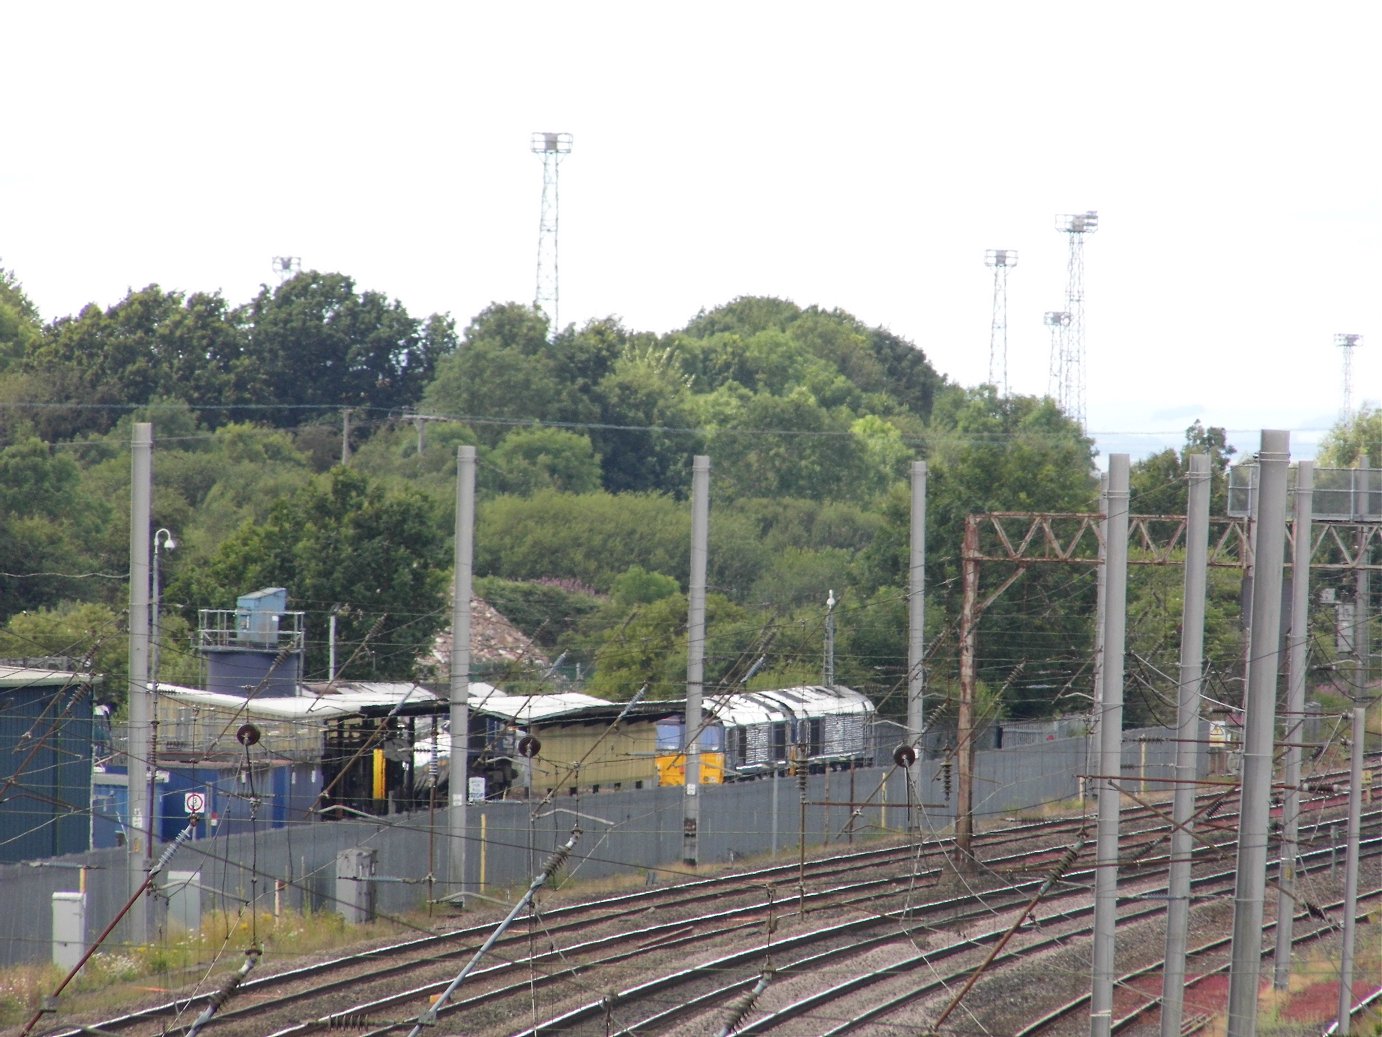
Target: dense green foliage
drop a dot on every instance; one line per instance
(1354, 442)
(340, 545)
(585, 441)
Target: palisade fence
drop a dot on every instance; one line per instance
(634, 833)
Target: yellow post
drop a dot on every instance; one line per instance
(484, 845)
(378, 790)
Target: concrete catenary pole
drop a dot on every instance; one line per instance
(1355, 832)
(137, 745)
(1295, 722)
(695, 658)
(1187, 744)
(964, 721)
(1110, 747)
(1096, 710)
(916, 631)
(1259, 707)
(459, 767)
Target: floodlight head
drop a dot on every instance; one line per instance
(1078, 223)
(1057, 319)
(551, 143)
(1346, 339)
(1004, 257)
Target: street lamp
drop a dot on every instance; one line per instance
(162, 539)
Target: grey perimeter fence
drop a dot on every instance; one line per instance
(390, 865)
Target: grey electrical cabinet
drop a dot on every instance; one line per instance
(355, 884)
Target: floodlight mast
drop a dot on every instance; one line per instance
(286, 266)
(551, 146)
(1348, 343)
(1058, 321)
(1067, 362)
(1001, 260)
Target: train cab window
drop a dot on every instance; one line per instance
(668, 736)
(738, 740)
(713, 739)
(779, 742)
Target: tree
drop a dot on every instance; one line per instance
(44, 526)
(149, 345)
(645, 441)
(997, 454)
(1159, 484)
(787, 446)
(317, 344)
(339, 543)
(637, 586)
(502, 374)
(1354, 441)
(20, 328)
(532, 459)
(90, 635)
(588, 537)
(650, 648)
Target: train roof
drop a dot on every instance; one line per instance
(315, 702)
(757, 707)
(403, 698)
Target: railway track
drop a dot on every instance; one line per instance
(766, 912)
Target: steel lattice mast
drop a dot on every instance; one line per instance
(551, 146)
(1001, 260)
(1067, 355)
(1348, 343)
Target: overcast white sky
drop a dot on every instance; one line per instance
(861, 156)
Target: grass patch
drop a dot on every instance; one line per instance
(118, 979)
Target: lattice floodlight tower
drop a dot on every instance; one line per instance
(1067, 360)
(1001, 260)
(1058, 321)
(551, 146)
(1348, 343)
(286, 266)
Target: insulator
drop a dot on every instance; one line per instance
(556, 861)
(349, 1021)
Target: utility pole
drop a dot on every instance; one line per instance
(139, 779)
(916, 631)
(1110, 749)
(1260, 718)
(695, 658)
(1187, 745)
(459, 779)
(1295, 718)
(964, 722)
(1351, 860)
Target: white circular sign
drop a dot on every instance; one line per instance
(193, 802)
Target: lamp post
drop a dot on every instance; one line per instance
(162, 540)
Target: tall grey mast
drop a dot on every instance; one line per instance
(1067, 360)
(1001, 260)
(138, 743)
(1110, 735)
(695, 658)
(1259, 709)
(552, 147)
(458, 781)
(1187, 744)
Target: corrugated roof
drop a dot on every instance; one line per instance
(29, 677)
